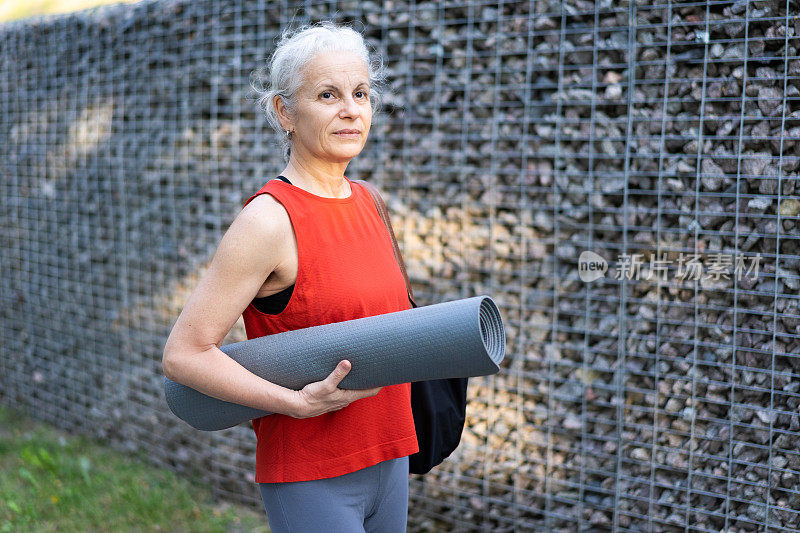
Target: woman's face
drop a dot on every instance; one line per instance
(334, 96)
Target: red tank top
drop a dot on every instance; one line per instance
(346, 270)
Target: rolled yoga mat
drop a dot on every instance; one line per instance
(459, 338)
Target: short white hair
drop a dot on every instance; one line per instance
(295, 49)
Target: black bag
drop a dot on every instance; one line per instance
(440, 408)
(439, 405)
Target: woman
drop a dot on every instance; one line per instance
(309, 248)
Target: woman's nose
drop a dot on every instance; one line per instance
(349, 108)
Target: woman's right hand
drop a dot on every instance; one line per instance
(324, 396)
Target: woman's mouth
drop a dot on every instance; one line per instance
(348, 134)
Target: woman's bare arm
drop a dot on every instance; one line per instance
(248, 253)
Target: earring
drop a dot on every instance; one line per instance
(289, 134)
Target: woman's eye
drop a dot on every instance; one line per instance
(359, 94)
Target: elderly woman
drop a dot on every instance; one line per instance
(309, 248)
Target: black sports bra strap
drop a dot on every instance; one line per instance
(283, 178)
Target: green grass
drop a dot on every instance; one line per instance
(50, 481)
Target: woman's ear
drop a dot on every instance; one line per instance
(283, 116)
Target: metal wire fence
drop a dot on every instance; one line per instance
(622, 177)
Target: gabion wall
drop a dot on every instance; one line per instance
(520, 137)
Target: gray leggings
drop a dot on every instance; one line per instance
(374, 498)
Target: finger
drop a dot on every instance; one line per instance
(338, 374)
(365, 393)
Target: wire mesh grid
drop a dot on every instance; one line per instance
(518, 139)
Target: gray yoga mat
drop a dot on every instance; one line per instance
(459, 338)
